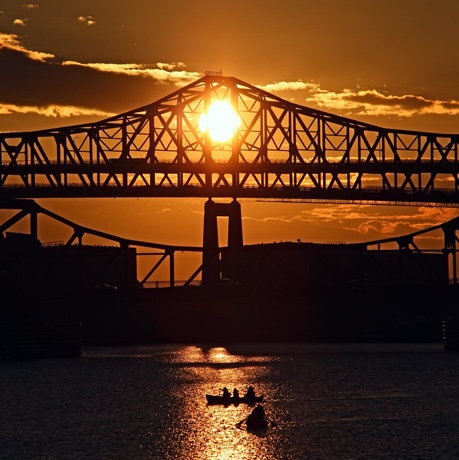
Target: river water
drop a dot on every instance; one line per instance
(365, 401)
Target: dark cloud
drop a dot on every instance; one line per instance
(376, 98)
(77, 85)
(377, 103)
(451, 105)
(37, 79)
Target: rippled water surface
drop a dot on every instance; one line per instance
(329, 402)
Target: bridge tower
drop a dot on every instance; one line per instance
(211, 253)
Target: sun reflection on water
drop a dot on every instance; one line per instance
(219, 354)
(210, 431)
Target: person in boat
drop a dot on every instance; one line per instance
(235, 393)
(258, 412)
(226, 393)
(257, 419)
(250, 393)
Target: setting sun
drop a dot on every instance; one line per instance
(221, 121)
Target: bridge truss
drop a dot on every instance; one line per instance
(281, 150)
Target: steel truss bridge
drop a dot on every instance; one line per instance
(281, 150)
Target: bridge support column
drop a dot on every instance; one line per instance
(210, 254)
(34, 224)
(450, 248)
(171, 269)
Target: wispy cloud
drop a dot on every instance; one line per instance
(418, 219)
(164, 211)
(170, 65)
(54, 111)
(88, 20)
(290, 86)
(367, 101)
(365, 222)
(20, 22)
(11, 41)
(92, 85)
(374, 102)
(160, 72)
(387, 225)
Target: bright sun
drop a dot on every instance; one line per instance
(221, 121)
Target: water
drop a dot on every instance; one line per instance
(397, 401)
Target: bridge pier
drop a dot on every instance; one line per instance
(211, 253)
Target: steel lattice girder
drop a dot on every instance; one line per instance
(281, 150)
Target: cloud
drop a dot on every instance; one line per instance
(422, 217)
(161, 72)
(290, 86)
(364, 222)
(171, 65)
(20, 22)
(372, 224)
(53, 111)
(11, 42)
(374, 102)
(164, 211)
(78, 84)
(367, 101)
(88, 20)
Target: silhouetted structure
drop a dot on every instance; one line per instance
(281, 150)
(306, 266)
(210, 255)
(27, 264)
(29, 210)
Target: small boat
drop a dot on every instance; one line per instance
(227, 400)
(257, 419)
(256, 423)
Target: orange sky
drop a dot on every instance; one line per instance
(390, 63)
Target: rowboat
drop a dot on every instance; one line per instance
(257, 419)
(256, 423)
(227, 400)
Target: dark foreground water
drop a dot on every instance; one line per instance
(329, 401)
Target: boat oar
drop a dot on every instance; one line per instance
(238, 424)
(273, 423)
